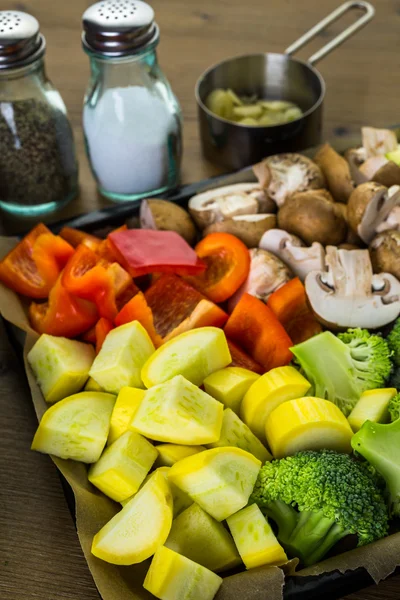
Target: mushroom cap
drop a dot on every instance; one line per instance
(267, 274)
(313, 218)
(388, 174)
(369, 205)
(349, 295)
(385, 253)
(248, 228)
(285, 174)
(167, 216)
(290, 249)
(225, 202)
(337, 172)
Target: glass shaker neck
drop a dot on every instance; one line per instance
(115, 71)
(34, 69)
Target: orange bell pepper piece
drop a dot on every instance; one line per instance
(102, 329)
(105, 249)
(241, 359)
(228, 265)
(76, 237)
(254, 326)
(63, 314)
(33, 266)
(289, 305)
(94, 279)
(137, 309)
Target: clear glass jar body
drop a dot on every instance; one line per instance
(132, 123)
(38, 166)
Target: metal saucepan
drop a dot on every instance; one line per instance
(276, 77)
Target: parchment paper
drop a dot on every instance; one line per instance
(93, 510)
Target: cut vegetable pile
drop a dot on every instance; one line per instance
(241, 405)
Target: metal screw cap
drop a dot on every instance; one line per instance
(20, 39)
(118, 27)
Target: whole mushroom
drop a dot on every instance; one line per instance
(313, 217)
(349, 295)
(267, 274)
(385, 252)
(164, 215)
(248, 228)
(337, 172)
(283, 175)
(370, 205)
(290, 249)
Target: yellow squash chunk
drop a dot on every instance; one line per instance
(169, 454)
(76, 427)
(372, 406)
(181, 500)
(142, 526)
(61, 366)
(194, 354)
(123, 466)
(127, 402)
(198, 536)
(219, 480)
(236, 433)
(307, 424)
(255, 539)
(178, 412)
(268, 392)
(230, 385)
(174, 577)
(121, 358)
(92, 386)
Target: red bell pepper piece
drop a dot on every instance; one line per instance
(63, 314)
(137, 309)
(289, 305)
(228, 265)
(102, 329)
(241, 359)
(76, 237)
(254, 326)
(94, 279)
(33, 266)
(124, 297)
(142, 251)
(90, 336)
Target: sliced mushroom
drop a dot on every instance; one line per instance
(313, 218)
(337, 172)
(378, 142)
(349, 295)
(369, 205)
(289, 248)
(392, 221)
(385, 252)
(226, 202)
(282, 175)
(369, 162)
(248, 228)
(267, 274)
(164, 215)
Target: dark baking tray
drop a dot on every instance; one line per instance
(329, 586)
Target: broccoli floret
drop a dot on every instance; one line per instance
(379, 445)
(340, 368)
(317, 498)
(394, 408)
(393, 340)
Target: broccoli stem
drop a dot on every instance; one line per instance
(307, 535)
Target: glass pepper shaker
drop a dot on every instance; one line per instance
(38, 167)
(131, 118)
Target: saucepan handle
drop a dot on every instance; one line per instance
(369, 12)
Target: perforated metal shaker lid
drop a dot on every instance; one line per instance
(118, 27)
(20, 39)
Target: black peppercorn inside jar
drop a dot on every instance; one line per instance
(38, 168)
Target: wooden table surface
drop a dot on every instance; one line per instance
(40, 557)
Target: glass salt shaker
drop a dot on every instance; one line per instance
(38, 167)
(131, 119)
